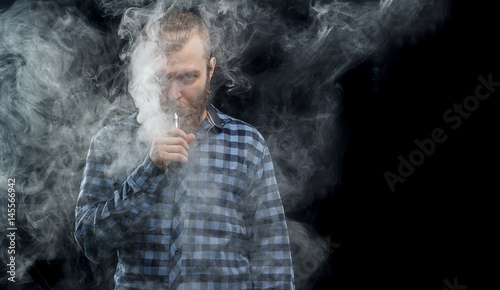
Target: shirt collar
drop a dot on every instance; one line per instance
(213, 117)
(212, 120)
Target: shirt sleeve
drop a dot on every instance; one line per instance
(107, 213)
(270, 256)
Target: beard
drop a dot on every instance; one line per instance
(189, 115)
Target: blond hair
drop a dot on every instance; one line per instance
(175, 28)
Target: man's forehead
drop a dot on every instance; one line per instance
(191, 43)
(175, 63)
(191, 55)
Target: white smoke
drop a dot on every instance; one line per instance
(63, 76)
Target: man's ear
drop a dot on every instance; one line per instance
(211, 67)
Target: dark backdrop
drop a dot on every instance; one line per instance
(440, 223)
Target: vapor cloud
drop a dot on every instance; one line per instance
(63, 76)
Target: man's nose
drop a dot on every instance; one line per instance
(175, 91)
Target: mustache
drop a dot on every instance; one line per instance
(188, 116)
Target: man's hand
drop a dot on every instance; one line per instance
(170, 146)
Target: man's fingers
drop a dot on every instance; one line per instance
(168, 158)
(174, 132)
(173, 149)
(160, 141)
(170, 146)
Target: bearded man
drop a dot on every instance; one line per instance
(198, 206)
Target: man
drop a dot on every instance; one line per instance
(196, 208)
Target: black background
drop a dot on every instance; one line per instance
(440, 223)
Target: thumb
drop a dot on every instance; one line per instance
(190, 137)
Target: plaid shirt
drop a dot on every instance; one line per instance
(215, 223)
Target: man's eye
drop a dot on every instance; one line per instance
(190, 77)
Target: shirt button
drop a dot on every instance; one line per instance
(178, 251)
(178, 212)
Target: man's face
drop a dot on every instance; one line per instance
(185, 84)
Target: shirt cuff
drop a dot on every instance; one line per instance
(145, 178)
